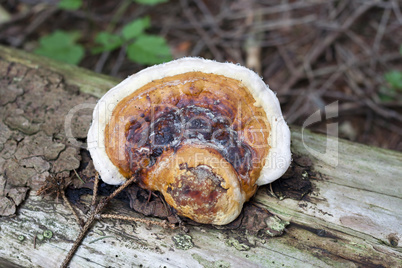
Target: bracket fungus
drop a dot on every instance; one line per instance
(204, 134)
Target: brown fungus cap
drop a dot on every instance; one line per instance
(202, 133)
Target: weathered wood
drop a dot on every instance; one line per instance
(88, 81)
(351, 218)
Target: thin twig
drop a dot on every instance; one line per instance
(67, 202)
(78, 176)
(121, 188)
(281, 8)
(392, 127)
(360, 42)
(319, 49)
(168, 211)
(330, 69)
(380, 32)
(272, 191)
(205, 37)
(101, 61)
(43, 189)
(334, 12)
(95, 191)
(351, 81)
(287, 60)
(367, 125)
(279, 24)
(31, 27)
(397, 10)
(119, 61)
(78, 240)
(253, 47)
(94, 215)
(117, 15)
(390, 114)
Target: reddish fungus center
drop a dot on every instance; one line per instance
(198, 188)
(192, 107)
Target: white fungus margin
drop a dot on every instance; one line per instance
(279, 156)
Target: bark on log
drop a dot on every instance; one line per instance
(351, 217)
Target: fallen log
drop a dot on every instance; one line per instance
(339, 205)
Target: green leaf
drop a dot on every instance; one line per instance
(150, 2)
(149, 49)
(394, 79)
(61, 46)
(107, 42)
(70, 4)
(135, 28)
(386, 94)
(385, 97)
